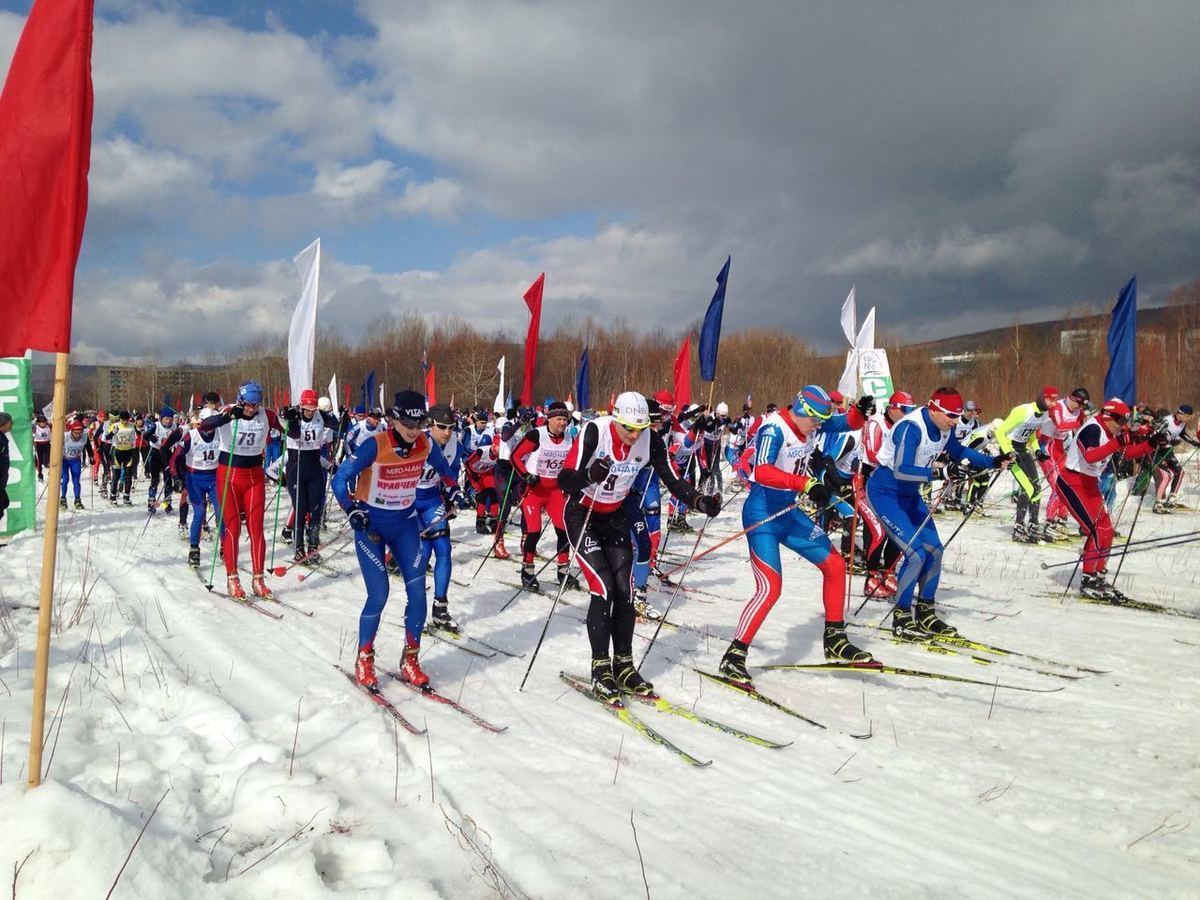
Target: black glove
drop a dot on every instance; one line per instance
(818, 492)
(599, 469)
(531, 478)
(360, 517)
(1000, 459)
(452, 496)
(709, 504)
(1159, 439)
(1041, 455)
(866, 405)
(290, 413)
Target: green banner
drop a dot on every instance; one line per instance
(16, 399)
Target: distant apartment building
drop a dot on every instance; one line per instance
(147, 387)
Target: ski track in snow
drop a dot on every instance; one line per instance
(1052, 795)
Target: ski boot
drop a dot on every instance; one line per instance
(286, 534)
(529, 580)
(104, 489)
(838, 647)
(62, 504)
(629, 680)
(927, 619)
(733, 664)
(364, 668)
(410, 668)
(481, 525)
(184, 532)
(642, 606)
(167, 507)
(905, 627)
(314, 542)
(300, 556)
(567, 580)
(1019, 535)
(151, 506)
(441, 618)
(604, 685)
(500, 551)
(1161, 508)
(877, 587)
(194, 556)
(233, 585)
(78, 504)
(258, 587)
(128, 502)
(892, 585)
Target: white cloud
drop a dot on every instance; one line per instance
(441, 198)
(353, 182)
(963, 252)
(126, 175)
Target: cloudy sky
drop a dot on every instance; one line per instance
(962, 162)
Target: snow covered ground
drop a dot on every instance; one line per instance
(160, 691)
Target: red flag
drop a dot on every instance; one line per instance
(612, 402)
(533, 299)
(45, 150)
(683, 375)
(346, 404)
(431, 384)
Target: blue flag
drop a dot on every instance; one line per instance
(583, 387)
(368, 391)
(710, 334)
(1121, 380)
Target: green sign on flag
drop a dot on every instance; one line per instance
(16, 399)
(875, 374)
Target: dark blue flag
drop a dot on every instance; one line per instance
(710, 334)
(583, 387)
(1121, 380)
(368, 391)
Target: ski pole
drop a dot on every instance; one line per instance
(733, 537)
(521, 590)
(212, 569)
(1184, 537)
(1153, 465)
(501, 522)
(675, 593)
(275, 526)
(553, 606)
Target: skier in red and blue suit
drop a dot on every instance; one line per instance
(783, 445)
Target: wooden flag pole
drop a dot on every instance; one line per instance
(41, 662)
(711, 385)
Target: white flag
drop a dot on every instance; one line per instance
(333, 396)
(848, 384)
(849, 316)
(381, 405)
(498, 406)
(303, 332)
(866, 334)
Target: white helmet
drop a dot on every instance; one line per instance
(722, 408)
(631, 410)
(325, 404)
